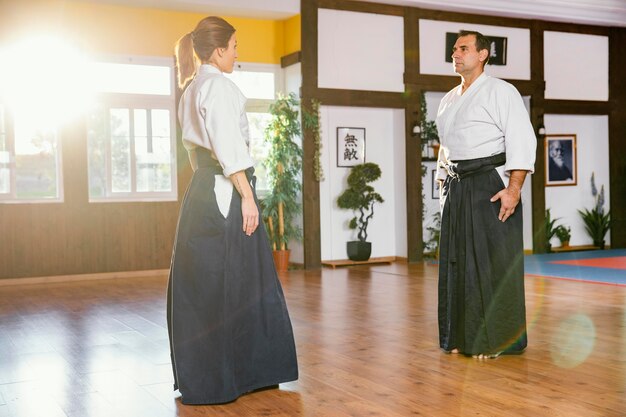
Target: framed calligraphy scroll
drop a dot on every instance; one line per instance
(350, 146)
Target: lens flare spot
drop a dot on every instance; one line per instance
(573, 342)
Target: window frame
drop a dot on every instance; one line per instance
(260, 105)
(131, 102)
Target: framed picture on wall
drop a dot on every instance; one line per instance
(497, 51)
(435, 185)
(350, 146)
(561, 164)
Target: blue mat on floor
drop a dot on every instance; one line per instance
(543, 265)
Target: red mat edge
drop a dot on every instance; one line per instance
(615, 284)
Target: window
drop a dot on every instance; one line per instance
(5, 171)
(30, 161)
(35, 104)
(131, 133)
(259, 83)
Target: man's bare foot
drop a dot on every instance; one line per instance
(486, 355)
(455, 350)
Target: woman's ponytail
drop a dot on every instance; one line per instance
(197, 46)
(185, 59)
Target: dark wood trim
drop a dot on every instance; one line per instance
(291, 59)
(573, 28)
(310, 186)
(617, 137)
(445, 83)
(537, 102)
(480, 19)
(359, 98)
(430, 82)
(577, 107)
(413, 154)
(360, 6)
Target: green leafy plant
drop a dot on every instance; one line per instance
(550, 228)
(311, 122)
(283, 165)
(428, 128)
(563, 233)
(432, 245)
(597, 223)
(429, 136)
(360, 197)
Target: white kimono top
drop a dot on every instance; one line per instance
(212, 115)
(488, 119)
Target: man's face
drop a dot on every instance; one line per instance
(556, 152)
(465, 58)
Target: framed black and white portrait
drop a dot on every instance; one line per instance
(497, 50)
(561, 164)
(435, 185)
(350, 146)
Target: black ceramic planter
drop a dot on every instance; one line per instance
(359, 251)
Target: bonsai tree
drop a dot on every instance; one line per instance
(596, 222)
(283, 165)
(360, 197)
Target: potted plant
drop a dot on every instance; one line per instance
(550, 229)
(597, 223)
(431, 246)
(428, 130)
(360, 197)
(283, 165)
(564, 234)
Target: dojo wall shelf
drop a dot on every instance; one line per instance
(574, 248)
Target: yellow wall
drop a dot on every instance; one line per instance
(292, 35)
(112, 29)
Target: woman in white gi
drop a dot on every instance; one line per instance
(487, 148)
(229, 328)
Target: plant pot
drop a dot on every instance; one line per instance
(599, 244)
(565, 244)
(359, 251)
(281, 260)
(435, 150)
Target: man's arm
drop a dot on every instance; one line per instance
(510, 196)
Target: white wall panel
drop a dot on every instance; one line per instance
(433, 48)
(360, 51)
(576, 66)
(592, 140)
(384, 146)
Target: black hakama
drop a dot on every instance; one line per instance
(228, 324)
(481, 268)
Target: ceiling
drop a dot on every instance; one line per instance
(594, 12)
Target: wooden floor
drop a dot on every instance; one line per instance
(367, 346)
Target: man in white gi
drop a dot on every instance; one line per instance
(487, 147)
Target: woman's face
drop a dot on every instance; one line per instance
(229, 55)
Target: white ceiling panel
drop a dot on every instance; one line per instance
(594, 12)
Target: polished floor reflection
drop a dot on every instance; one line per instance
(367, 346)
